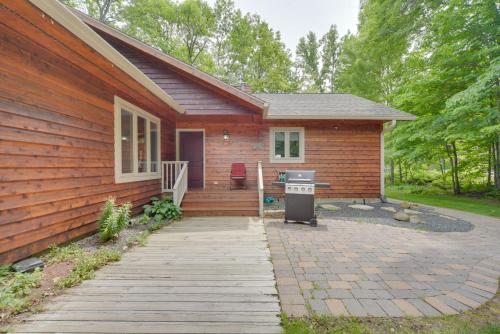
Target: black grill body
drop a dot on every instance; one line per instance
(299, 196)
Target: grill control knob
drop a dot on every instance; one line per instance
(302, 189)
(309, 189)
(296, 188)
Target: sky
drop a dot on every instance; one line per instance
(294, 18)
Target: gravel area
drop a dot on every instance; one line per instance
(431, 220)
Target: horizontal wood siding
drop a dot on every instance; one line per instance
(194, 96)
(56, 133)
(348, 157)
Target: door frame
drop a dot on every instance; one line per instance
(177, 151)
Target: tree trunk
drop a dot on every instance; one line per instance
(392, 172)
(496, 163)
(455, 159)
(490, 160)
(400, 172)
(442, 165)
(451, 150)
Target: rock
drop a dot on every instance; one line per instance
(401, 216)
(329, 207)
(361, 207)
(28, 265)
(388, 209)
(405, 205)
(416, 219)
(412, 212)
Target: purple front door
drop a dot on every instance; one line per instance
(191, 149)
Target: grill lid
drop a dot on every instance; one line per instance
(300, 176)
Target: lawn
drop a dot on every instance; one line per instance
(484, 206)
(483, 320)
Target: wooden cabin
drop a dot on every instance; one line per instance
(87, 112)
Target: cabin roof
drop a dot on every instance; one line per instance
(328, 106)
(179, 66)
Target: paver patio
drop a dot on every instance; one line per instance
(346, 267)
(199, 275)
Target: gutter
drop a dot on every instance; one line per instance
(382, 161)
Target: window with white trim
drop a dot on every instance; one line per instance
(137, 143)
(286, 145)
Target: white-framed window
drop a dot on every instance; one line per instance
(286, 145)
(137, 143)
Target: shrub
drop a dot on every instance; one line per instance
(14, 291)
(87, 264)
(162, 209)
(113, 219)
(144, 220)
(63, 254)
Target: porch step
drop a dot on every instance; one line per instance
(221, 203)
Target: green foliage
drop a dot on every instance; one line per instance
(63, 254)
(15, 289)
(139, 239)
(144, 220)
(86, 265)
(113, 219)
(156, 226)
(162, 209)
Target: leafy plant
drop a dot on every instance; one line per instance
(113, 219)
(63, 254)
(162, 209)
(86, 265)
(144, 220)
(139, 239)
(14, 291)
(155, 226)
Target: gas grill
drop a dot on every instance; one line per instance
(299, 195)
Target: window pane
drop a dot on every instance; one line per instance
(126, 135)
(279, 144)
(142, 145)
(154, 146)
(294, 144)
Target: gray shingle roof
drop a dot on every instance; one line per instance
(328, 106)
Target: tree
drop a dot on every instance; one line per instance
(329, 59)
(307, 63)
(105, 11)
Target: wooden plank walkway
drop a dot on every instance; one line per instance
(199, 275)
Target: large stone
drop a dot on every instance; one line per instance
(401, 216)
(412, 212)
(329, 207)
(405, 205)
(388, 209)
(361, 207)
(416, 219)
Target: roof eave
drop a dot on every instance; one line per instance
(345, 117)
(72, 23)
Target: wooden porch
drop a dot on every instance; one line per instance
(211, 202)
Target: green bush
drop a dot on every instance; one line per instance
(113, 219)
(63, 254)
(162, 209)
(15, 289)
(86, 265)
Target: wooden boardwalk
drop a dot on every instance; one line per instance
(200, 275)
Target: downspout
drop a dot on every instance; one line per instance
(382, 161)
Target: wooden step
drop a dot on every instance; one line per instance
(236, 194)
(220, 211)
(223, 203)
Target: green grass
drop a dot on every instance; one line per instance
(487, 207)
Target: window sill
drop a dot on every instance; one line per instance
(137, 177)
(287, 161)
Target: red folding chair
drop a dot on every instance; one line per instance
(238, 174)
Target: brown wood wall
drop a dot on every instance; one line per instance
(56, 133)
(348, 158)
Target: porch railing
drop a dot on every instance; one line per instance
(174, 179)
(260, 187)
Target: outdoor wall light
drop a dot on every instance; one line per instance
(226, 135)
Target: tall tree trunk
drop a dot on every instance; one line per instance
(442, 165)
(392, 172)
(455, 159)
(400, 172)
(496, 163)
(451, 150)
(490, 160)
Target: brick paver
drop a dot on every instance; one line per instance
(346, 268)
